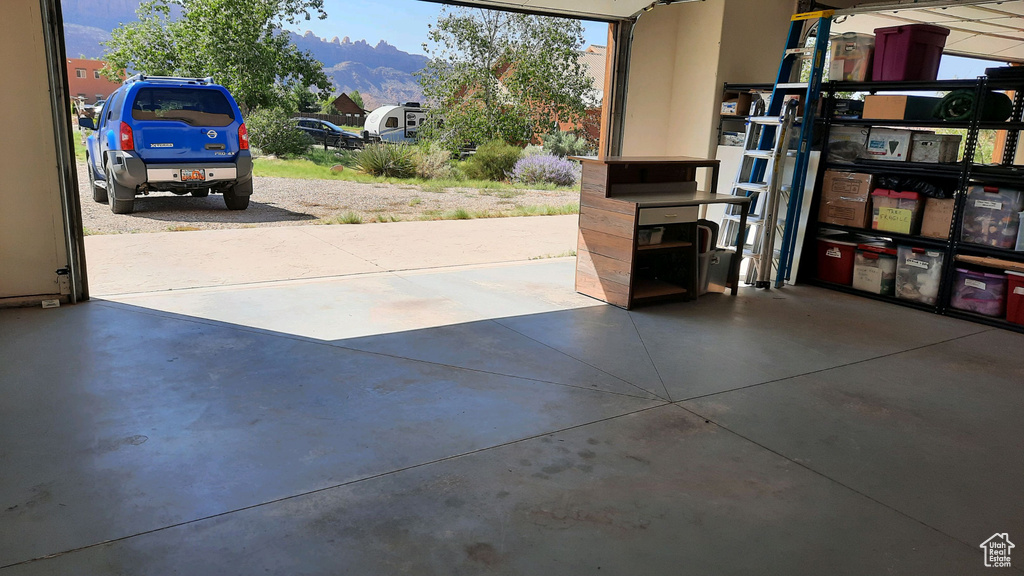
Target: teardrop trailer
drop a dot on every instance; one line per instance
(395, 124)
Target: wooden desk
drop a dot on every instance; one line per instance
(623, 197)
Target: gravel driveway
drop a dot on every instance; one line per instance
(289, 202)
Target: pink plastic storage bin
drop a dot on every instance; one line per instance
(909, 52)
(980, 292)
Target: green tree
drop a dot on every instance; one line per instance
(299, 98)
(500, 75)
(240, 43)
(356, 97)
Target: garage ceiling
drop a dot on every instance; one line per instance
(585, 9)
(990, 30)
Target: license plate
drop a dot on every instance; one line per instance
(193, 175)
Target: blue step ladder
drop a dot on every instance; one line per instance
(771, 237)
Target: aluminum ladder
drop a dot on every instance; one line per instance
(772, 244)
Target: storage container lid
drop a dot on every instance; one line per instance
(1014, 273)
(882, 192)
(854, 37)
(877, 249)
(906, 195)
(977, 274)
(928, 28)
(834, 240)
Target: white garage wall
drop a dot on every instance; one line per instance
(32, 245)
(682, 55)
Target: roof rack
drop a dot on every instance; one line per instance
(143, 77)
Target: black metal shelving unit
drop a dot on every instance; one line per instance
(738, 118)
(964, 173)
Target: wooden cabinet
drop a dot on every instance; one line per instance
(624, 202)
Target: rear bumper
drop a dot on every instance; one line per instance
(172, 173)
(131, 172)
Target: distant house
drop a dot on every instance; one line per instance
(354, 115)
(85, 81)
(593, 60)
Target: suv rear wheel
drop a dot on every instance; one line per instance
(99, 193)
(235, 200)
(118, 206)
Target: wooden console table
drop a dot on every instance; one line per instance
(623, 199)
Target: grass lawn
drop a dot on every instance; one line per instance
(321, 170)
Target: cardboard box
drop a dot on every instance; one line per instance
(845, 199)
(900, 107)
(846, 143)
(938, 216)
(736, 104)
(935, 148)
(888, 144)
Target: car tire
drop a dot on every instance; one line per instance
(99, 193)
(118, 206)
(201, 193)
(235, 201)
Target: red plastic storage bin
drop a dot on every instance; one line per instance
(835, 260)
(1015, 297)
(909, 52)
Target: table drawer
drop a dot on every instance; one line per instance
(669, 215)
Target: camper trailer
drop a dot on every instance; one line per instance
(396, 124)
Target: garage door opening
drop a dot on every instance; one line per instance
(301, 220)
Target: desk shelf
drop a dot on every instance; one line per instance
(663, 246)
(645, 288)
(617, 194)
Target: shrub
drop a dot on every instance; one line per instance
(273, 132)
(546, 169)
(349, 218)
(564, 144)
(390, 160)
(492, 161)
(433, 163)
(321, 157)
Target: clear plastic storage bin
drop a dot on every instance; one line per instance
(992, 216)
(851, 57)
(918, 274)
(894, 211)
(874, 269)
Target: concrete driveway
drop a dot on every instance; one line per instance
(132, 263)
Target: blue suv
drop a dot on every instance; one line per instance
(180, 135)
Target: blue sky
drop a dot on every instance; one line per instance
(403, 23)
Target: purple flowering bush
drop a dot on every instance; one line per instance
(545, 169)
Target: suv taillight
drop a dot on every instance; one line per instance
(127, 140)
(243, 137)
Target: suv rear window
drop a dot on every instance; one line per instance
(194, 106)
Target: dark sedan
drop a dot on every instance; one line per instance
(320, 130)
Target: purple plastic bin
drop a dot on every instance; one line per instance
(909, 52)
(979, 292)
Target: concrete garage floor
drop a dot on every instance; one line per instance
(488, 420)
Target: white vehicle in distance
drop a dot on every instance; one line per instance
(394, 124)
